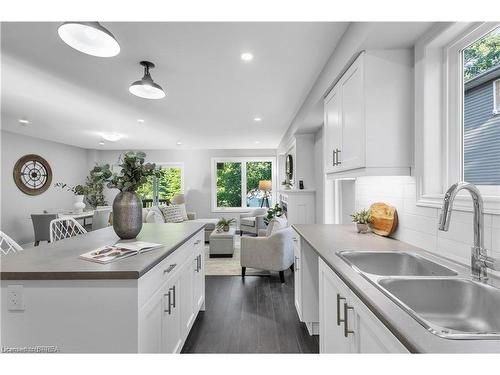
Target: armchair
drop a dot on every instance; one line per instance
(252, 221)
(272, 253)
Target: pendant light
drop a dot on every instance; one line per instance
(90, 38)
(146, 88)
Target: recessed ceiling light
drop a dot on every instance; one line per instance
(24, 121)
(112, 137)
(179, 143)
(140, 120)
(257, 119)
(145, 87)
(246, 56)
(257, 142)
(101, 143)
(90, 38)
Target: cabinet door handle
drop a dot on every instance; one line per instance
(199, 267)
(169, 309)
(339, 298)
(173, 292)
(334, 158)
(170, 268)
(197, 242)
(338, 153)
(296, 267)
(346, 319)
(198, 263)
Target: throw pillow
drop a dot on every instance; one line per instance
(172, 214)
(145, 212)
(276, 224)
(184, 214)
(155, 217)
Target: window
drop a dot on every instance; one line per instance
(158, 190)
(481, 125)
(238, 183)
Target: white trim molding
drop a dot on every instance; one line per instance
(242, 160)
(438, 114)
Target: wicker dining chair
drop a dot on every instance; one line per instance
(65, 227)
(8, 245)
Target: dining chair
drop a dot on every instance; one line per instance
(65, 227)
(100, 219)
(8, 245)
(41, 226)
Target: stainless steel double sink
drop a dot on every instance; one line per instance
(439, 298)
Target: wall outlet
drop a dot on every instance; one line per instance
(15, 298)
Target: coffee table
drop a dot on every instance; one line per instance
(222, 243)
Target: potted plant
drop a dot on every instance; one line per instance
(223, 224)
(79, 191)
(273, 212)
(94, 185)
(127, 206)
(362, 219)
(287, 184)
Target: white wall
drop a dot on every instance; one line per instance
(68, 164)
(197, 172)
(319, 175)
(419, 225)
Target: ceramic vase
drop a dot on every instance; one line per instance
(362, 228)
(79, 205)
(127, 215)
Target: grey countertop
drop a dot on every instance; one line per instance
(328, 239)
(60, 260)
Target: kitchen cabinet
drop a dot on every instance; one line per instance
(199, 276)
(368, 116)
(306, 284)
(346, 325)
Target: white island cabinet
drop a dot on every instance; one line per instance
(346, 324)
(143, 304)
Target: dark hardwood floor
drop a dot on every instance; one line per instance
(254, 315)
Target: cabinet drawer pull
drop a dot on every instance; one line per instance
(170, 268)
(338, 159)
(296, 265)
(339, 320)
(334, 157)
(346, 319)
(199, 262)
(173, 292)
(197, 242)
(169, 308)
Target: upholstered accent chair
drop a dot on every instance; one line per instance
(270, 253)
(251, 222)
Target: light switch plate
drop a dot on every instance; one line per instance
(15, 298)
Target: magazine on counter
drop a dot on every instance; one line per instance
(120, 250)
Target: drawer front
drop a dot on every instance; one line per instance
(166, 269)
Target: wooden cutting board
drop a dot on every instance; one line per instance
(384, 219)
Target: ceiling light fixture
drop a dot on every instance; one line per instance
(24, 121)
(101, 143)
(179, 143)
(146, 88)
(112, 137)
(246, 56)
(257, 119)
(257, 142)
(90, 38)
(140, 121)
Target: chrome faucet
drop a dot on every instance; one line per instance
(480, 262)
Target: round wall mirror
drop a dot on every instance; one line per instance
(289, 167)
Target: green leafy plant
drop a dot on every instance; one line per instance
(77, 189)
(273, 212)
(94, 185)
(224, 223)
(134, 172)
(362, 217)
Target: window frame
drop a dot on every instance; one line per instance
(243, 161)
(496, 109)
(169, 165)
(439, 100)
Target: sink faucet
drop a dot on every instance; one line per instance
(480, 262)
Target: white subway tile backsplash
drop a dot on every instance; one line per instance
(418, 225)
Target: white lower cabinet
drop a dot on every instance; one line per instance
(346, 325)
(166, 317)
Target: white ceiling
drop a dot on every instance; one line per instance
(212, 96)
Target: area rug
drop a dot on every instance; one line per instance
(229, 266)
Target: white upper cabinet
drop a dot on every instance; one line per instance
(368, 116)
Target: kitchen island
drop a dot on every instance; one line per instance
(144, 303)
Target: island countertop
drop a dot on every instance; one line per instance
(328, 239)
(60, 260)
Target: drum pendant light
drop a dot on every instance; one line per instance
(146, 88)
(90, 38)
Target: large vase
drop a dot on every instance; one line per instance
(127, 215)
(79, 205)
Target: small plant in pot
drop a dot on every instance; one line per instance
(223, 224)
(79, 191)
(362, 219)
(127, 206)
(273, 212)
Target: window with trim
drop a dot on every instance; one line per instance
(170, 183)
(481, 122)
(240, 183)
